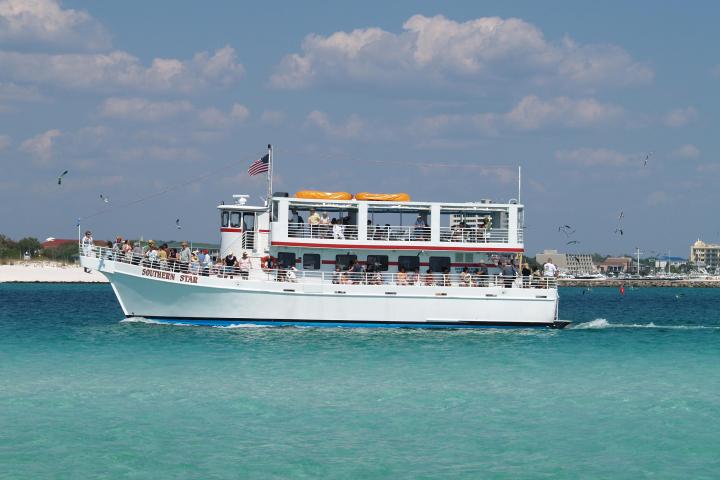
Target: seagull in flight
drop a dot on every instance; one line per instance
(647, 157)
(104, 198)
(566, 229)
(177, 224)
(572, 242)
(61, 177)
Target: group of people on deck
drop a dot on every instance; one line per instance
(319, 225)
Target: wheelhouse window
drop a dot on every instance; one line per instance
(224, 219)
(311, 261)
(235, 220)
(343, 261)
(409, 263)
(286, 259)
(377, 262)
(438, 264)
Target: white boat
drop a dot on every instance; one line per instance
(299, 272)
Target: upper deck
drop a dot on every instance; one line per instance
(356, 224)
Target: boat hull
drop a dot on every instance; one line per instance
(189, 299)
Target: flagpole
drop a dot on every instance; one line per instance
(270, 173)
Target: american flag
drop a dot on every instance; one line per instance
(260, 166)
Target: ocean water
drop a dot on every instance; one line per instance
(631, 391)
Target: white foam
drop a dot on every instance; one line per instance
(241, 325)
(601, 323)
(141, 320)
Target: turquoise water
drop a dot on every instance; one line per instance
(633, 391)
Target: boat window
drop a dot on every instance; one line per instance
(235, 220)
(379, 262)
(344, 260)
(311, 261)
(224, 219)
(438, 264)
(249, 222)
(286, 259)
(410, 263)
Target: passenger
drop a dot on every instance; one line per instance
(508, 273)
(414, 277)
(356, 272)
(420, 228)
(337, 275)
(230, 263)
(402, 278)
(117, 248)
(370, 230)
(465, 277)
(163, 256)
(217, 268)
(207, 262)
(137, 253)
(244, 265)
(376, 278)
(481, 277)
(127, 251)
(338, 230)
(446, 281)
(527, 275)
(295, 229)
(172, 259)
(152, 255)
(194, 263)
(345, 278)
(325, 229)
(185, 255)
(549, 269)
(429, 278)
(314, 222)
(87, 244)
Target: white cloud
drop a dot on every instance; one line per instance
(590, 157)
(530, 113)
(40, 147)
(142, 109)
(121, 71)
(680, 117)
(19, 93)
(45, 22)
(4, 142)
(162, 153)
(352, 128)
(213, 117)
(272, 117)
(440, 51)
(533, 113)
(686, 151)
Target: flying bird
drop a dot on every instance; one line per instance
(647, 157)
(572, 242)
(566, 229)
(619, 230)
(61, 177)
(104, 198)
(177, 224)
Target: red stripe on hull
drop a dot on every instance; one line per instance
(394, 247)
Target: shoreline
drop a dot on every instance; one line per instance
(47, 272)
(640, 283)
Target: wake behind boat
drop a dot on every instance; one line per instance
(335, 259)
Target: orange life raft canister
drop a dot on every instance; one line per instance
(314, 194)
(383, 197)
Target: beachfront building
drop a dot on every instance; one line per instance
(616, 265)
(705, 254)
(573, 263)
(662, 261)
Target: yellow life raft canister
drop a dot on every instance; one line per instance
(317, 195)
(383, 197)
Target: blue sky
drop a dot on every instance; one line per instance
(440, 99)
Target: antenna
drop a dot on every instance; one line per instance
(519, 184)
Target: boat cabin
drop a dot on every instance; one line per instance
(320, 233)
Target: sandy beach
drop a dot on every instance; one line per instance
(49, 272)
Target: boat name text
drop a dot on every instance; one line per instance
(147, 272)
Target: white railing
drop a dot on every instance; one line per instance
(427, 279)
(474, 235)
(323, 231)
(401, 233)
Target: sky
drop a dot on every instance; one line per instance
(161, 106)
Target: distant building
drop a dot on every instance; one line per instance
(662, 262)
(616, 265)
(705, 254)
(574, 263)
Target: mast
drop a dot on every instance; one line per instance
(270, 174)
(519, 184)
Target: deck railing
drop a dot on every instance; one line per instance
(292, 275)
(402, 233)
